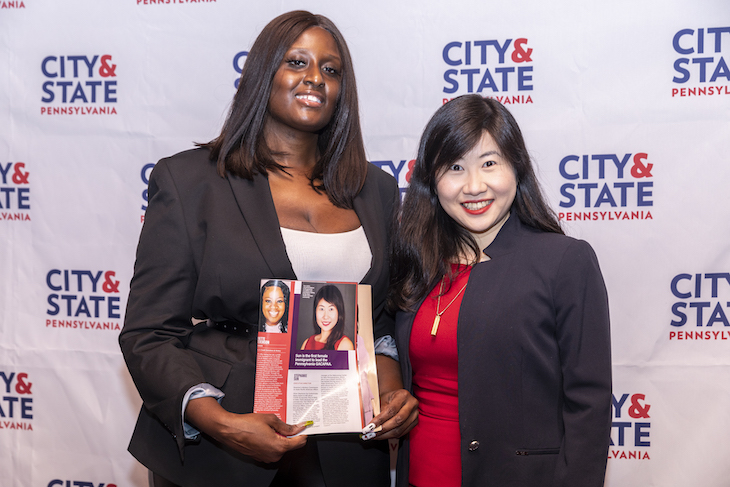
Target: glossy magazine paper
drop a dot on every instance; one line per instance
(315, 358)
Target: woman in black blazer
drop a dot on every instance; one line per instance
(503, 329)
(290, 155)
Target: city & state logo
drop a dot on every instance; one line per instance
(14, 191)
(700, 68)
(699, 310)
(79, 85)
(16, 405)
(630, 427)
(399, 169)
(83, 300)
(606, 187)
(495, 68)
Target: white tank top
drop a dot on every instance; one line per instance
(342, 257)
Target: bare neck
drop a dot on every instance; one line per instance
(293, 149)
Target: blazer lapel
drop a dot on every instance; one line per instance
(257, 207)
(369, 210)
(507, 240)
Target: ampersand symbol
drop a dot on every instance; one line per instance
(106, 70)
(520, 55)
(637, 410)
(639, 170)
(20, 177)
(411, 163)
(110, 286)
(22, 387)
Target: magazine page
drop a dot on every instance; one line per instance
(307, 355)
(272, 355)
(369, 392)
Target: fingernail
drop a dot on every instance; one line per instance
(368, 436)
(306, 424)
(368, 428)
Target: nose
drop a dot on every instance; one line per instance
(313, 76)
(476, 183)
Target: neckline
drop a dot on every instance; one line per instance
(317, 233)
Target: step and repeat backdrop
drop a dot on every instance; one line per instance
(625, 107)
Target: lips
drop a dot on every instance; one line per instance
(313, 100)
(477, 207)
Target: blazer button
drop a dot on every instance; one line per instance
(474, 445)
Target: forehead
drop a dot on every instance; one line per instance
(317, 38)
(485, 145)
(273, 290)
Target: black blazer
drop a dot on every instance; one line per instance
(206, 243)
(534, 364)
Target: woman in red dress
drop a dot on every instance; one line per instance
(329, 321)
(503, 329)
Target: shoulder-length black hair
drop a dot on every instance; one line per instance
(240, 149)
(427, 238)
(332, 295)
(284, 323)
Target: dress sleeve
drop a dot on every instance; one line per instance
(583, 335)
(158, 318)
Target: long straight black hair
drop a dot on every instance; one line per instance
(427, 238)
(331, 294)
(240, 149)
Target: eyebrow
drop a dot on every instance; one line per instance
(490, 153)
(328, 56)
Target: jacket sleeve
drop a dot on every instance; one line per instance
(584, 342)
(158, 318)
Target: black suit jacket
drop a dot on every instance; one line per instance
(206, 243)
(534, 364)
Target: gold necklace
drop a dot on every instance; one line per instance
(437, 319)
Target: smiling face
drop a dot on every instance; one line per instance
(273, 305)
(477, 191)
(327, 315)
(306, 86)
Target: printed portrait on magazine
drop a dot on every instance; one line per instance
(327, 317)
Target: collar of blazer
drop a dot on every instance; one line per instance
(257, 207)
(508, 238)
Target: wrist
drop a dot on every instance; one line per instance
(208, 416)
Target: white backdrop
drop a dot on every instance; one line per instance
(625, 106)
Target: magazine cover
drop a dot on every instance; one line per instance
(315, 357)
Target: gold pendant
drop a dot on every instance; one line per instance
(435, 326)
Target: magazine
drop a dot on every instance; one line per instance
(315, 359)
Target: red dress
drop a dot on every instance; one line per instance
(312, 344)
(435, 442)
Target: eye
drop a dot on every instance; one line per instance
(295, 62)
(489, 163)
(456, 167)
(331, 70)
